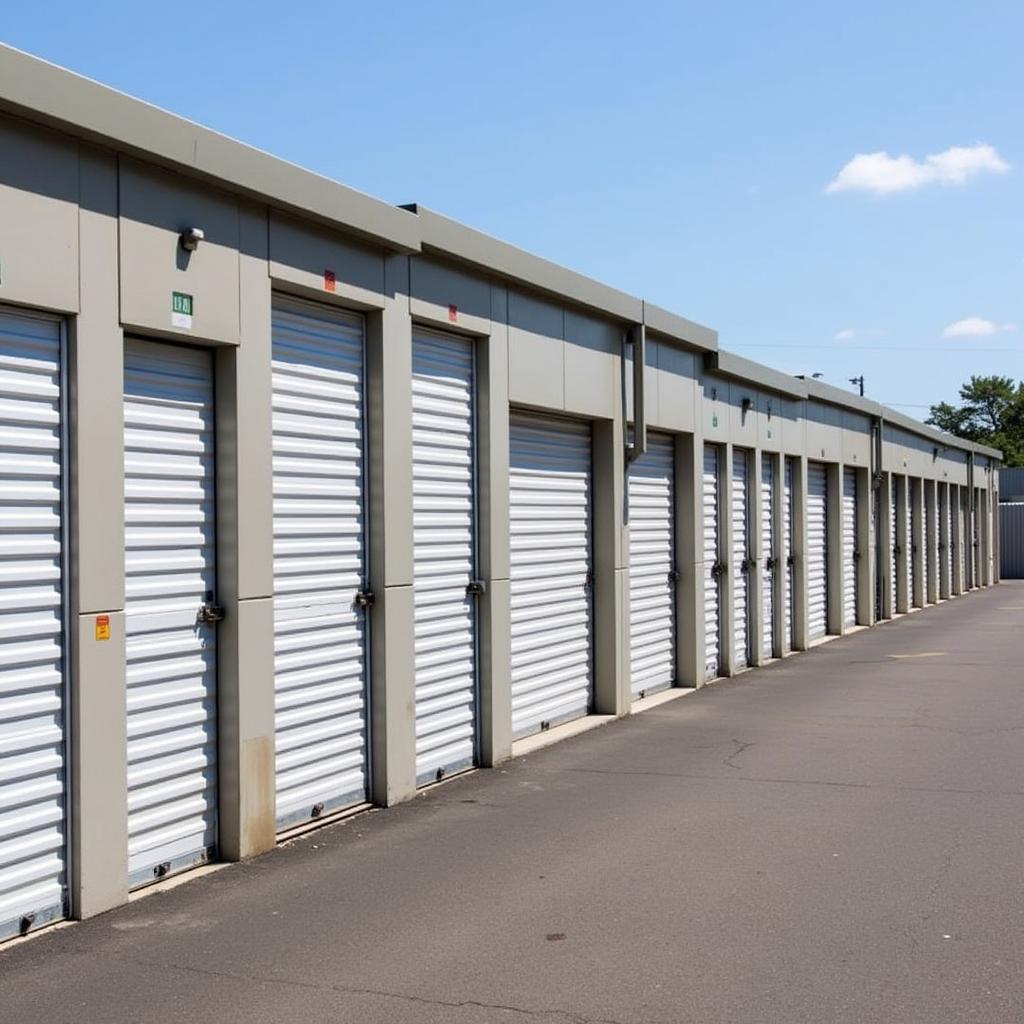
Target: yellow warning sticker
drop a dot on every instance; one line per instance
(102, 627)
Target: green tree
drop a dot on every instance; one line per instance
(992, 413)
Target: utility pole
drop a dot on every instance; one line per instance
(859, 381)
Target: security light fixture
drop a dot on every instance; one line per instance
(189, 238)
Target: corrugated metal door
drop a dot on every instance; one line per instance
(32, 643)
(894, 548)
(924, 545)
(768, 556)
(320, 705)
(652, 577)
(789, 551)
(551, 574)
(170, 558)
(712, 575)
(961, 548)
(849, 547)
(444, 551)
(950, 542)
(908, 553)
(876, 519)
(817, 550)
(740, 557)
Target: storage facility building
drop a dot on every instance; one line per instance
(309, 501)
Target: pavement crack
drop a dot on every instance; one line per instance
(730, 761)
(451, 1004)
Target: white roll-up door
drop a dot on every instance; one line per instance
(817, 550)
(444, 551)
(788, 552)
(894, 548)
(949, 539)
(768, 556)
(924, 544)
(876, 522)
(32, 643)
(908, 548)
(961, 548)
(740, 513)
(712, 579)
(652, 654)
(170, 561)
(849, 547)
(320, 702)
(551, 574)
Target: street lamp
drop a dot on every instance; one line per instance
(860, 382)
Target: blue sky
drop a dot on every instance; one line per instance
(679, 151)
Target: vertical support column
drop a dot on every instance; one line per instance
(931, 540)
(389, 447)
(727, 626)
(864, 560)
(98, 795)
(800, 620)
(495, 625)
(903, 543)
(611, 571)
(245, 570)
(755, 576)
(916, 494)
(834, 554)
(689, 524)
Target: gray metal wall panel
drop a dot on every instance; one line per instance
(1011, 540)
(32, 648)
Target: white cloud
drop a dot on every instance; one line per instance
(882, 174)
(975, 327)
(847, 334)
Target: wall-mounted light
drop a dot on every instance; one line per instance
(189, 238)
(746, 405)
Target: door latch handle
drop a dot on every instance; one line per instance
(211, 613)
(365, 598)
(476, 588)
(674, 576)
(588, 582)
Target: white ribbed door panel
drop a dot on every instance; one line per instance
(894, 551)
(767, 557)
(817, 550)
(788, 521)
(949, 540)
(32, 650)
(849, 547)
(320, 732)
(170, 558)
(740, 513)
(908, 553)
(549, 526)
(712, 585)
(924, 546)
(443, 495)
(652, 567)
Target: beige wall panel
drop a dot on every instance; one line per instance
(245, 715)
(744, 427)
(496, 673)
(856, 439)
(536, 370)
(715, 410)
(593, 366)
(824, 438)
(38, 218)
(95, 402)
(769, 422)
(155, 207)
(793, 425)
(99, 784)
(678, 388)
(458, 294)
(320, 263)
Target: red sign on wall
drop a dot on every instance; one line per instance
(453, 313)
(330, 281)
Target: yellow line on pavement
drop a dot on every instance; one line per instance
(923, 654)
